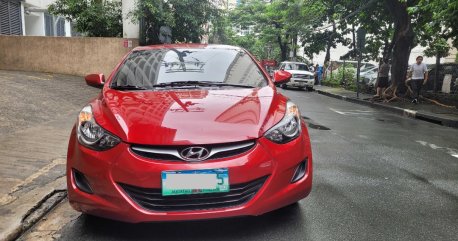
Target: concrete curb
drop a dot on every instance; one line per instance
(396, 110)
(33, 215)
(30, 206)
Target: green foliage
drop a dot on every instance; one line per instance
(92, 18)
(438, 47)
(380, 30)
(438, 27)
(314, 43)
(327, 30)
(442, 18)
(342, 77)
(255, 45)
(330, 82)
(277, 24)
(322, 24)
(221, 31)
(186, 18)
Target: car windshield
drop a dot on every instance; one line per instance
(150, 68)
(369, 70)
(291, 66)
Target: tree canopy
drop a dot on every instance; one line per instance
(187, 19)
(393, 27)
(92, 18)
(277, 24)
(281, 27)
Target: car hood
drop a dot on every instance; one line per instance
(179, 117)
(299, 72)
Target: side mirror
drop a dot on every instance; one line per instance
(95, 80)
(281, 77)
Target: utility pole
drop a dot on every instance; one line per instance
(344, 80)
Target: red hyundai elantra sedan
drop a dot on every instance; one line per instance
(185, 132)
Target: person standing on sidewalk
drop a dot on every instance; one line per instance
(383, 75)
(319, 73)
(419, 72)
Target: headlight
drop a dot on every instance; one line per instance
(288, 128)
(91, 135)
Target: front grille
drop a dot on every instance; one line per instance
(302, 76)
(152, 199)
(172, 153)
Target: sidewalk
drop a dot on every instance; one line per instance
(424, 111)
(38, 111)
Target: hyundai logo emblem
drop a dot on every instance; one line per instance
(196, 153)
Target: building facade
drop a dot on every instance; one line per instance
(31, 18)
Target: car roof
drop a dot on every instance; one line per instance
(351, 61)
(187, 46)
(292, 62)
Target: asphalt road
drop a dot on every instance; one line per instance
(377, 176)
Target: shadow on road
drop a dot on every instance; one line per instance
(276, 225)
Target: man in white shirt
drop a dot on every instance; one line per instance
(419, 77)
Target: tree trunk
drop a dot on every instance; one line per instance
(329, 43)
(294, 43)
(353, 33)
(388, 46)
(328, 54)
(283, 48)
(386, 53)
(403, 41)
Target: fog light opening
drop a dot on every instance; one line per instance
(81, 182)
(301, 169)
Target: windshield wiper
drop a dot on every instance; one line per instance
(183, 83)
(198, 83)
(128, 87)
(234, 85)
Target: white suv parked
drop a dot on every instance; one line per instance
(301, 77)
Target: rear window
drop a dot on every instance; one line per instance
(150, 67)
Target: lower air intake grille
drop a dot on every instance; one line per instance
(152, 199)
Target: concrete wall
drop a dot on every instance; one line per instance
(129, 29)
(75, 56)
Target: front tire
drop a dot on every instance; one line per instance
(310, 88)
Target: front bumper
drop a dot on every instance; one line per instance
(105, 170)
(301, 83)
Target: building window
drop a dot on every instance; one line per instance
(60, 28)
(49, 28)
(54, 26)
(10, 17)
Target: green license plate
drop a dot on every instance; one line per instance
(195, 181)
